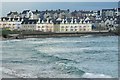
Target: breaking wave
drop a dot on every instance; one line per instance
(69, 70)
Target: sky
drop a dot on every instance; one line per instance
(20, 6)
(60, 0)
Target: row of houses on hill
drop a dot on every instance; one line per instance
(62, 20)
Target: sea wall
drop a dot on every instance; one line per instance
(38, 34)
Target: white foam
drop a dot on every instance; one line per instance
(13, 73)
(51, 42)
(91, 75)
(55, 50)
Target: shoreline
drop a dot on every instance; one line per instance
(55, 35)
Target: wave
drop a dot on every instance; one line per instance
(12, 73)
(68, 69)
(65, 69)
(92, 75)
(55, 49)
(52, 42)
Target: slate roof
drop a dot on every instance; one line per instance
(11, 19)
(15, 13)
(108, 9)
(33, 21)
(55, 21)
(36, 12)
(25, 11)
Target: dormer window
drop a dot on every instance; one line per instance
(75, 26)
(66, 26)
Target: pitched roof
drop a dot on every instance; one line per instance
(27, 21)
(15, 13)
(25, 11)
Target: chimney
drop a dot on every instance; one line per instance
(3, 19)
(51, 21)
(63, 21)
(75, 20)
(13, 19)
(9, 19)
(39, 20)
(80, 21)
(22, 19)
(18, 19)
(66, 21)
(84, 22)
(72, 20)
(47, 20)
(88, 22)
(42, 21)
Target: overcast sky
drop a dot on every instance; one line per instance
(60, 0)
(20, 6)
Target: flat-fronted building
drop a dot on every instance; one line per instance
(73, 25)
(11, 23)
(59, 25)
(38, 25)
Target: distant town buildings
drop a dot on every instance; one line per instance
(62, 20)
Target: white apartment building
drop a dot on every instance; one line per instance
(11, 23)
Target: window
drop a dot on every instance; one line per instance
(71, 30)
(66, 26)
(42, 29)
(80, 26)
(42, 26)
(84, 29)
(84, 26)
(66, 29)
(75, 26)
(80, 29)
(71, 26)
(38, 26)
(62, 29)
(75, 29)
(62, 26)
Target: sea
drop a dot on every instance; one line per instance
(87, 56)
